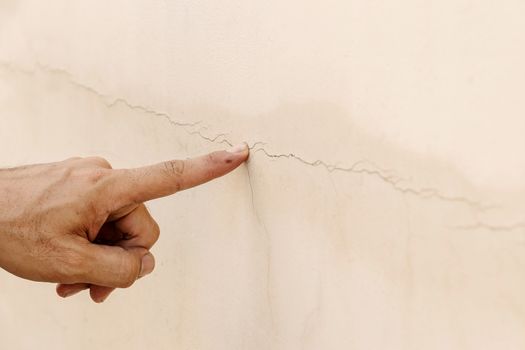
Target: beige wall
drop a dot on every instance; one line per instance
(382, 207)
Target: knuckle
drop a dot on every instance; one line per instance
(155, 231)
(102, 162)
(211, 158)
(174, 167)
(126, 280)
(126, 283)
(127, 273)
(174, 171)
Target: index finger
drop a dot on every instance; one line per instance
(163, 179)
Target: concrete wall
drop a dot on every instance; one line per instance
(383, 204)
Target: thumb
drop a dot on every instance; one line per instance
(117, 267)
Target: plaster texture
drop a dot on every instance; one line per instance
(382, 206)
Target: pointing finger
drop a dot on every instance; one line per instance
(150, 182)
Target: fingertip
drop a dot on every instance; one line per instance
(98, 301)
(238, 154)
(60, 290)
(97, 295)
(246, 152)
(240, 149)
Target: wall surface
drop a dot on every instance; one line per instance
(383, 203)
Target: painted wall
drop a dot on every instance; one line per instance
(382, 207)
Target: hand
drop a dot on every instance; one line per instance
(83, 225)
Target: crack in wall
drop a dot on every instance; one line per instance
(269, 250)
(391, 180)
(256, 147)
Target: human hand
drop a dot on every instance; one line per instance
(82, 224)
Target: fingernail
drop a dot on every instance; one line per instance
(240, 148)
(148, 264)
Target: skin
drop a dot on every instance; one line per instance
(83, 225)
